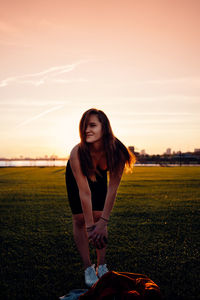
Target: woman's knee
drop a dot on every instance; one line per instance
(78, 220)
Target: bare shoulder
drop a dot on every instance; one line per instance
(77, 171)
(74, 152)
(75, 161)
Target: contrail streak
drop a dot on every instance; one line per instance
(39, 116)
(43, 76)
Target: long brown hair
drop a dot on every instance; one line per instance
(114, 149)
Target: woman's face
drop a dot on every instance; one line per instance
(93, 130)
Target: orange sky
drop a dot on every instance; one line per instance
(136, 60)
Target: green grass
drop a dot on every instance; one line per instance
(153, 230)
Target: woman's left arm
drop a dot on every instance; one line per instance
(114, 182)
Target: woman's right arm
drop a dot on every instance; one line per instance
(83, 186)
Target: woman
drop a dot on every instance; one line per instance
(90, 200)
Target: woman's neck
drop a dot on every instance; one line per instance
(96, 147)
(98, 155)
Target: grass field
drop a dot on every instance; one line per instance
(153, 230)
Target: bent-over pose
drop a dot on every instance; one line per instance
(90, 199)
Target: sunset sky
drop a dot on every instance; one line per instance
(137, 60)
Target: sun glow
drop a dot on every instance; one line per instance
(139, 64)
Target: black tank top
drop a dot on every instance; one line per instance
(98, 190)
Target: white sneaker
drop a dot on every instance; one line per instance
(90, 276)
(101, 270)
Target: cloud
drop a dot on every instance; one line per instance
(33, 103)
(165, 114)
(181, 80)
(52, 25)
(11, 36)
(188, 80)
(13, 44)
(191, 81)
(39, 115)
(8, 29)
(69, 80)
(51, 75)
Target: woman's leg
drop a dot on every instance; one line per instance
(101, 253)
(81, 239)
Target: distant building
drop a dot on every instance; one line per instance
(168, 151)
(53, 156)
(196, 150)
(143, 152)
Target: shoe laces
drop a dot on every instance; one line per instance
(90, 270)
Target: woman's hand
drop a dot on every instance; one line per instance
(99, 234)
(89, 233)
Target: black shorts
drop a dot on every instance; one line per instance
(98, 190)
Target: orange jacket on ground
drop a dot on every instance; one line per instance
(123, 286)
